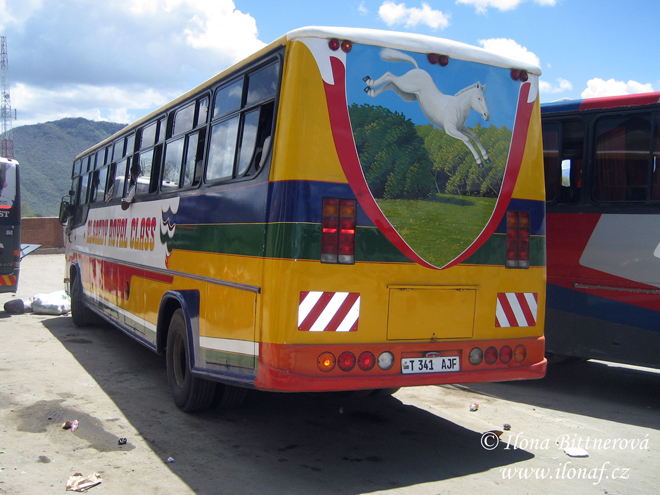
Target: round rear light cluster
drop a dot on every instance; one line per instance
(491, 355)
(441, 60)
(334, 45)
(519, 75)
(347, 361)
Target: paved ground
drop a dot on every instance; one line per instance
(420, 441)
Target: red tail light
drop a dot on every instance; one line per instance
(517, 239)
(338, 231)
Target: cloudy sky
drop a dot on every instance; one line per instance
(117, 60)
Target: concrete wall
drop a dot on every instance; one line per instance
(46, 231)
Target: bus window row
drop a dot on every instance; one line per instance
(196, 143)
(620, 154)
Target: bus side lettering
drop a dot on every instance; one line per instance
(143, 231)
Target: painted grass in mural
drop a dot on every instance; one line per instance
(441, 227)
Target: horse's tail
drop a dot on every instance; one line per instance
(391, 55)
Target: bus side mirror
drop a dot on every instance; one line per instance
(66, 210)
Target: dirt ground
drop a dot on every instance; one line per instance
(422, 440)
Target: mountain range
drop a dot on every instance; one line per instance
(45, 153)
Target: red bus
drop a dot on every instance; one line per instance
(602, 171)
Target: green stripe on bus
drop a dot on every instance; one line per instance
(302, 241)
(228, 358)
(493, 252)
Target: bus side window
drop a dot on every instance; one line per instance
(172, 165)
(572, 160)
(146, 159)
(655, 183)
(255, 141)
(192, 165)
(622, 158)
(119, 179)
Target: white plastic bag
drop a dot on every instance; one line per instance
(56, 303)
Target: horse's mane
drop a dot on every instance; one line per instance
(467, 89)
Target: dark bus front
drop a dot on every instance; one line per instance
(10, 225)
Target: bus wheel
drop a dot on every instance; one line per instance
(80, 314)
(190, 393)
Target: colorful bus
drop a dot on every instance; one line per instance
(294, 224)
(602, 172)
(10, 225)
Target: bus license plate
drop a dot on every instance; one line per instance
(436, 364)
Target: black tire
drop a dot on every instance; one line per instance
(189, 392)
(80, 313)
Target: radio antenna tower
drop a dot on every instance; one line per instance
(7, 135)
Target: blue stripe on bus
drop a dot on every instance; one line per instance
(291, 202)
(583, 304)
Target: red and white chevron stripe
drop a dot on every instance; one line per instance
(328, 311)
(516, 309)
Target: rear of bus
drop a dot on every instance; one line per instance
(10, 225)
(405, 241)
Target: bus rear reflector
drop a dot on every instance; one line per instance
(338, 231)
(346, 361)
(517, 239)
(326, 361)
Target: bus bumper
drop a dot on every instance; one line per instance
(298, 372)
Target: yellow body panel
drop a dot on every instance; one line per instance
(286, 279)
(528, 185)
(304, 138)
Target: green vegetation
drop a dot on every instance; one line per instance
(45, 153)
(393, 158)
(440, 229)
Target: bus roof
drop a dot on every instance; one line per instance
(391, 39)
(603, 102)
(414, 42)
(8, 160)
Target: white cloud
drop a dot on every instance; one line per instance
(397, 13)
(13, 13)
(362, 9)
(481, 6)
(598, 87)
(91, 102)
(122, 57)
(509, 48)
(562, 85)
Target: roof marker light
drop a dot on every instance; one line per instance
(333, 44)
(346, 46)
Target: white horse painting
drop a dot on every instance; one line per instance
(444, 111)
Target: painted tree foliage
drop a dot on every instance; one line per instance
(392, 154)
(404, 161)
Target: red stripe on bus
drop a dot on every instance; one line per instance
(527, 311)
(316, 311)
(508, 311)
(341, 313)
